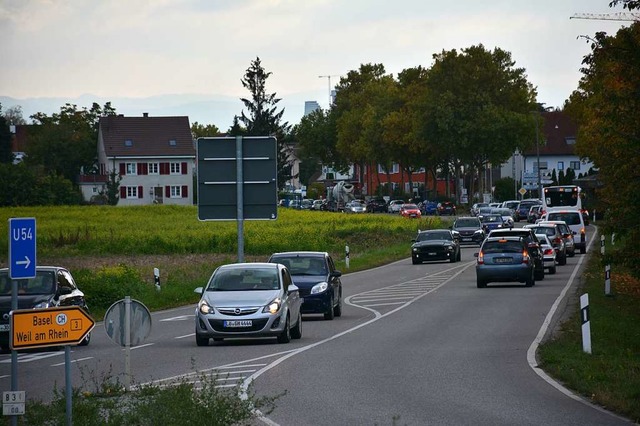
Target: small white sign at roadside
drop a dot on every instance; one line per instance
(13, 403)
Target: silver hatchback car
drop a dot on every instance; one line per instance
(249, 300)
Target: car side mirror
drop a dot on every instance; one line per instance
(533, 245)
(413, 241)
(475, 254)
(63, 291)
(336, 274)
(292, 288)
(198, 290)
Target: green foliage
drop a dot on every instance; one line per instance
(6, 156)
(21, 185)
(204, 130)
(505, 188)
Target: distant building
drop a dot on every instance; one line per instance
(310, 106)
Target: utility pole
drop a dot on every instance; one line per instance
(328, 77)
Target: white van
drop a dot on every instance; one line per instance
(574, 219)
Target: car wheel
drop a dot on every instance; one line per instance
(481, 284)
(285, 336)
(563, 260)
(202, 341)
(453, 258)
(459, 258)
(552, 270)
(530, 281)
(539, 275)
(415, 261)
(583, 250)
(329, 314)
(296, 333)
(85, 341)
(572, 253)
(337, 310)
(217, 339)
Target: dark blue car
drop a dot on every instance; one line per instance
(317, 279)
(428, 207)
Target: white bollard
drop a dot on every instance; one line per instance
(346, 258)
(613, 239)
(586, 325)
(607, 280)
(156, 278)
(602, 245)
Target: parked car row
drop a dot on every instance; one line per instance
(247, 300)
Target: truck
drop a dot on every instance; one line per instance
(339, 195)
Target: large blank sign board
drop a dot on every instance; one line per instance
(219, 174)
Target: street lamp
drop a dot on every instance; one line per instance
(328, 77)
(538, 159)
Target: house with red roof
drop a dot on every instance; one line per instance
(153, 156)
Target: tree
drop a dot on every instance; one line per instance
(65, 143)
(204, 130)
(263, 119)
(14, 116)
(606, 108)
(504, 189)
(6, 154)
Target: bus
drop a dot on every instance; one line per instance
(569, 196)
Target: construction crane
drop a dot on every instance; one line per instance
(328, 77)
(620, 16)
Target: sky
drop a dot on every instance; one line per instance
(195, 52)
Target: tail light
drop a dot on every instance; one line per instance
(557, 240)
(582, 235)
(481, 258)
(548, 252)
(525, 256)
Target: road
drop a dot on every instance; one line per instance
(416, 344)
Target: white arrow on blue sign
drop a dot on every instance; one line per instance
(22, 248)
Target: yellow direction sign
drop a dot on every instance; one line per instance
(35, 328)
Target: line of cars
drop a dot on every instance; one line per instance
(267, 299)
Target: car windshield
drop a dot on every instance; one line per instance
(410, 207)
(434, 235)
(467, 223)
(543, 239)
(43, 283)
(302, 265)
(546, 230)
(502, 246)
(570, 218)
(492, 218)
(244, 280)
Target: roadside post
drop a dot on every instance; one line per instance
(346, 257)
(602, 245)
(156, 278)
(586, 324)
(607, 280)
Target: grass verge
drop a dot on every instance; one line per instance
(610, 376)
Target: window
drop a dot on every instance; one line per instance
(176, 191)
(174, 168)
(560, 165)
(132, 168)
(128, 142)
(154, 168)
(575, 165)
(570, 140)
(543, 166)
(132, 192)
(172, 142)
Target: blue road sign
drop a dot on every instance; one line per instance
(22, 248)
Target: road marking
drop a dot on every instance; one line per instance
(185, 336)
(72, 361)
(139, 347)
(179, 318)
(33, 357)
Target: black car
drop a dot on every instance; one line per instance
(317, 279)
(52, 286)
(533, 246)
(522, 212)
(470, 230)
(447, 208)
(436, 244)
(377, 205)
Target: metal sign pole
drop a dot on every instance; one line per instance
(67, 378)
(240, 199)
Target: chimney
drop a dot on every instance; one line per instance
(145, 114)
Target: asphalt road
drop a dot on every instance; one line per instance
(416, 345)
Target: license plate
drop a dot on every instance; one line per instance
(466, 239)
(503, 259)
(238, 323)
(431, 254)
(4, 327)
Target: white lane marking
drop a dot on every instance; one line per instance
(139, 347)
(179, 318)
(385, 304)
(531, 352)
(72, 361)
(377, 315)
(33, 357)
(185, 336)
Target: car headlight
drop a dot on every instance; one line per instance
(319, 288)
(449, 248)
(273, 306)
(204, 307)
(414, 249)
(42, 305)
(479, 231)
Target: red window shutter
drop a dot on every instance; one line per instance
(185, 191)
(167, 191)
(122, 170)
(164, 168)
(143, 168)
(123, 192)
(140, 193)
(183, 168)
